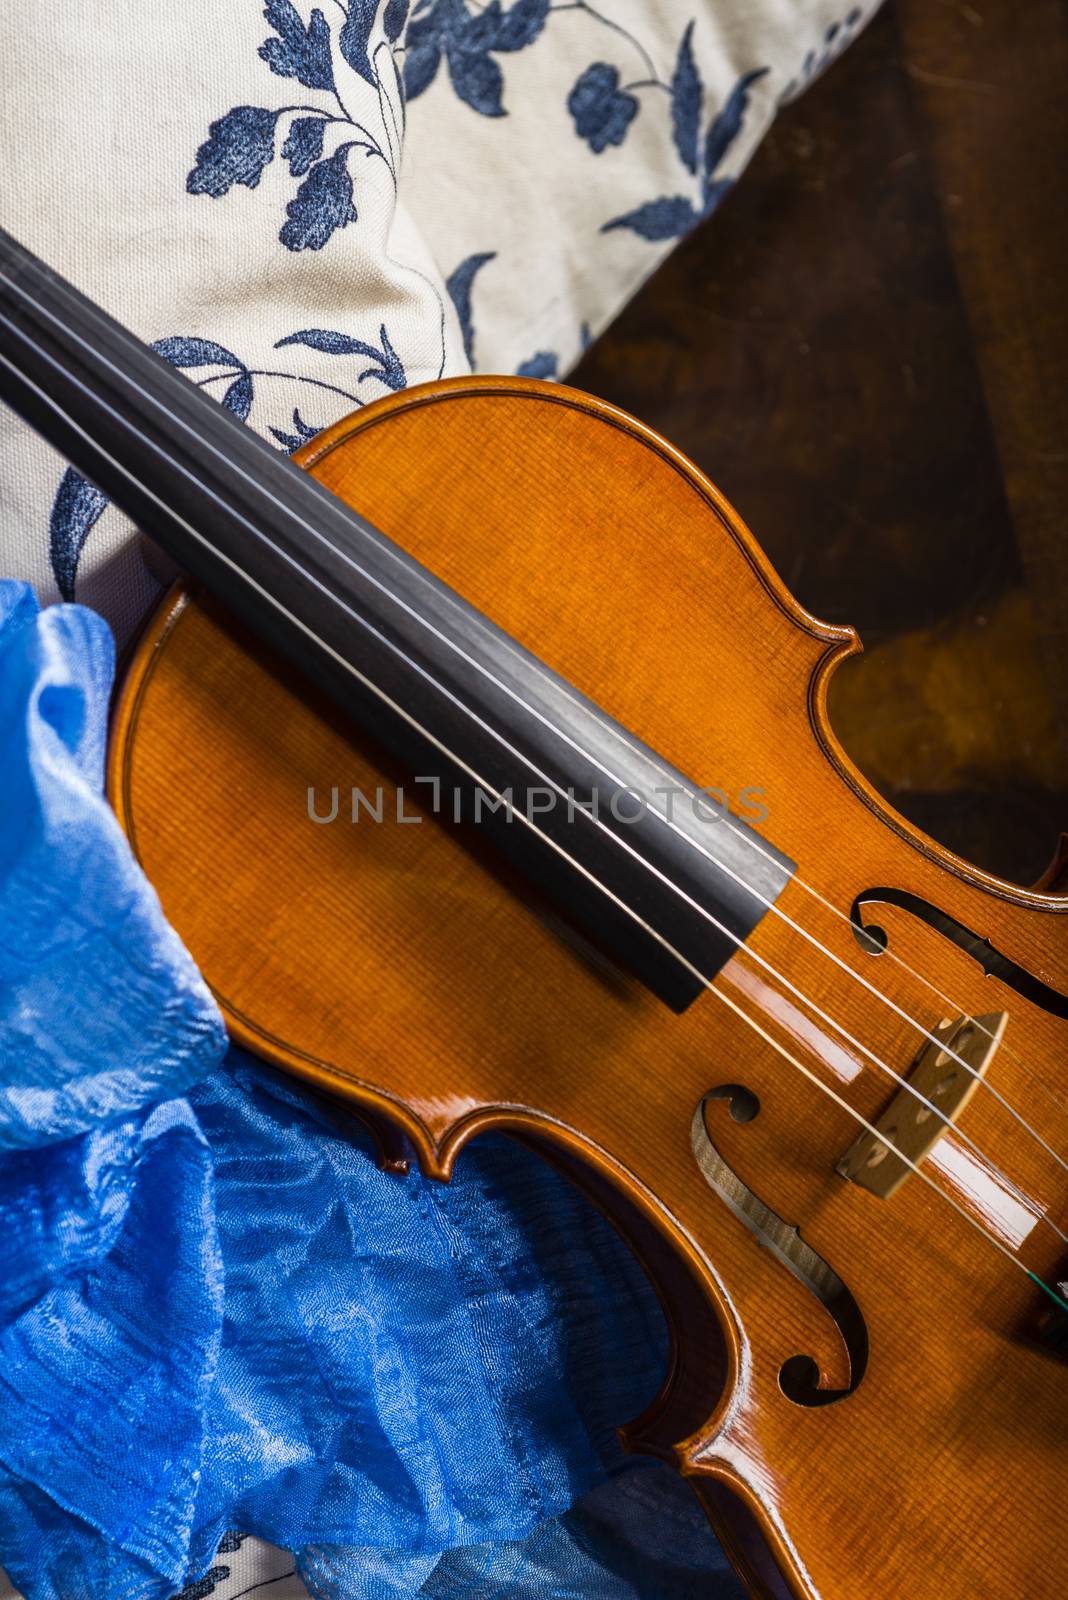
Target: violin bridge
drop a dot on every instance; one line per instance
(940, 1087)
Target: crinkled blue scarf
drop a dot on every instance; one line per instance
(216, 1312)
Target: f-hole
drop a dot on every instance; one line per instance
(799, 1377)
(874, 941)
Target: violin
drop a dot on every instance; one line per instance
(483, 764)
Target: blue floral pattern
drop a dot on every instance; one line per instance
(543, 364)
(322, 146)
(602, 110)
(671, 216)
(836, 36)
(78, 505)
(242, 143)
(458, 285)
(601, 105)
(469, 37)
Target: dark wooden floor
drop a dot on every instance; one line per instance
(867, 349)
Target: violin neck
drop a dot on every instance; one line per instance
(425, 673)
(189, 474)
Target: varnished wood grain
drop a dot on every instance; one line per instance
(866, 347)
(391, 964)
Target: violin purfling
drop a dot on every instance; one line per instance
(484, 767)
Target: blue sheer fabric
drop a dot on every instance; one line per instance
(215, 1310)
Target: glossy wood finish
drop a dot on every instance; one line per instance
(392, 964)
(867, 349)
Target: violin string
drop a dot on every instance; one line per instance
(752, 841)
(947, 1121)
(432, 738)
(870, 1127)
(769, 904)
(478, 666)
(720, 927)
(951, 1004)
(745, 835)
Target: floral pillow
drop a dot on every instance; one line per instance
(305, 206)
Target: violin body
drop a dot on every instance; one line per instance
(393, 963)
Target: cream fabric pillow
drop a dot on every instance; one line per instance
(249, 186)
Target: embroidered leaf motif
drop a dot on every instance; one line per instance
(466, 38)
(673, 215)
(181, 352)
(601, 110)
(356, 36)
(321, 205)
(284, 18)
(291, 442)
(396, 15)
(332, 344)
(668, 218)
(77, 506)
(714, 193)
(238, 397)
(388, 366)
(237, 149)
(496, 29)
(421, 64)
(686, 95)
(522, 24)
(391, 368)
(422, 49)
(304, 144)
(725, 128)
(296, 51)
(478, 80)
(542, 365)
(835, 39)
(459, 289)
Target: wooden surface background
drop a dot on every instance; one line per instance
(866, 348)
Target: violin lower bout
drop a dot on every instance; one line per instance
(389, 962)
